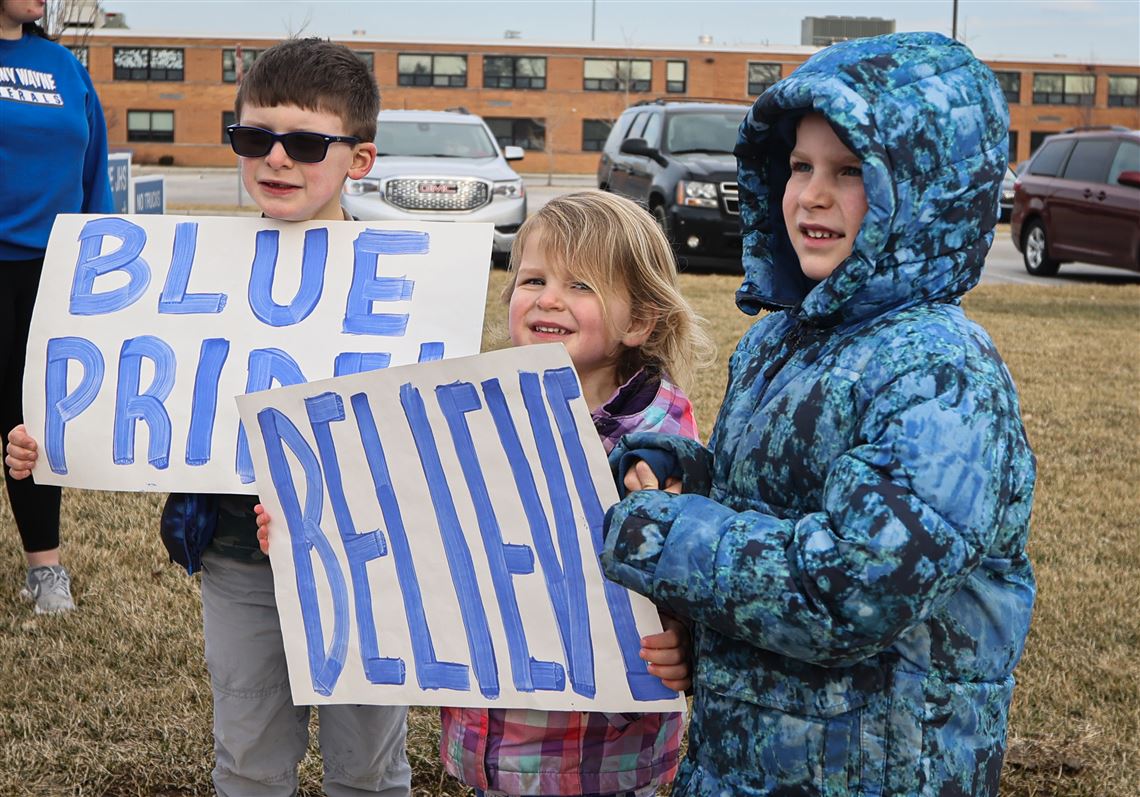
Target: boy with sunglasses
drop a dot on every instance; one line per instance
(306, 120)
(306, 116)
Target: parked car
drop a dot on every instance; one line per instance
(676, 159)
(441, 165)
(1079, 199)
(1006, 201)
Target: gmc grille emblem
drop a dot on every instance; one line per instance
(438, 188)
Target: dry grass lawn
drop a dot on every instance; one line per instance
(114, 700)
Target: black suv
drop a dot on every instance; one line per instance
(675, 158)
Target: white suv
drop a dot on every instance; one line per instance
(441, 165)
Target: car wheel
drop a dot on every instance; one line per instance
(1036, 252)
(662, 220)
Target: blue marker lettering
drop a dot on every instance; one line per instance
(361, 548)
(305, 534)
(562, 386)
(313, 259)
(430, 673)
(357, 362)
(62, 406)
(430, 351)
(455, 546)
(266, 366)
(91, 264)
(505, 561)
(174, 298)
(368, 288)
(574, 620)
(203, 409)
(147, 406)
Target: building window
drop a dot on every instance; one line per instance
(675, 74)
(509, 72)
(228, 118)
(1012, 147)
(1059, 89)
(80, 54)
(594, 134)
(1010, 83)
(150, 125)
(368, 57)
(432, 70)
(530, 134)
(761, 76)
(1123, 90)
(148, 63)
(229, 63)
(611, 74)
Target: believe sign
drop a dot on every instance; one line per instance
(435, 536)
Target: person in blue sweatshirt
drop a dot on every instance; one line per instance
(53, 159)
(851, 546)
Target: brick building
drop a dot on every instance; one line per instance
(168, 98)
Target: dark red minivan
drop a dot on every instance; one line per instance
(1079, 199)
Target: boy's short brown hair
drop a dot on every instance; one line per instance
(316, 75)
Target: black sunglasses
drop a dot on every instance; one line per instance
(303, 147)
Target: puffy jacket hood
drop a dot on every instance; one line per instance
(930, 123)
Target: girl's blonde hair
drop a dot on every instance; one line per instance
(609, 243)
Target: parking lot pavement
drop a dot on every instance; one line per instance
(1005, 266)
(218, 192)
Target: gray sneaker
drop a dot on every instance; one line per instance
(50, 587)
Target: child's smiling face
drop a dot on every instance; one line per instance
(549, 306)
(824, 201)
(293, 191)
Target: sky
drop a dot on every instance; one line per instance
(1098, 31)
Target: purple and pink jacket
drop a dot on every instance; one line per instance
(524, 751)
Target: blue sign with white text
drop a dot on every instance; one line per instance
(149, 194)
(119, 173)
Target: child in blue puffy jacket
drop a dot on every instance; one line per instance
(851, 545)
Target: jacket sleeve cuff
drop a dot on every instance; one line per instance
(668, 455)
(640, 555)
(635, 536)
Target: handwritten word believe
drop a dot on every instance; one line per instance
(462, 405)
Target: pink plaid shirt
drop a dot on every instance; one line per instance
(525, 752)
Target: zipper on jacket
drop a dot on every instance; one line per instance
(791, 343)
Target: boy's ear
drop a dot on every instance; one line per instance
(363, 156)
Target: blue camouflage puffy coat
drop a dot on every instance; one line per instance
(851, 546)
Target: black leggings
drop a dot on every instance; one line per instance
(36, 506)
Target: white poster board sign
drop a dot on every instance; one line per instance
(145, 327)
(435, 537)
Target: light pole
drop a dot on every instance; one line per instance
(954, 25)
(593, 15)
